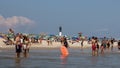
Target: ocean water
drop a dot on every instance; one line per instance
(50, 58)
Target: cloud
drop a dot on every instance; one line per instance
(15, 22)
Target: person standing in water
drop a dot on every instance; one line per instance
(103, 46)
(97, 47)
(26, 46)
(119, 45)
(18, 46)
(108, 45)
(112, 42)
(93, 48)
(64, 50)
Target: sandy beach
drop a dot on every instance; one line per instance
(47, 56)
(54, 44)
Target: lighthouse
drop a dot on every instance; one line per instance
(60, 31)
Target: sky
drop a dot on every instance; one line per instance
(91, 17)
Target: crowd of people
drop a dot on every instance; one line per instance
(105, 45)
(23, 42)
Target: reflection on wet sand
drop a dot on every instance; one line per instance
(17, 63)
(47, 58)
(26, 55)
(63, 59)
(17, 60)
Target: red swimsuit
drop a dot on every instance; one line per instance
(93, 47)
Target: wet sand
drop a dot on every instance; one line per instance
(50, 58)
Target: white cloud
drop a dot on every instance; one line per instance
(14, 21)
(18, 23)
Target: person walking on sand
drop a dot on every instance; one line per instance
(48, 41)
(40, 40)
(82, 41)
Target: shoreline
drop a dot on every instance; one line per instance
(38, 46)
(54, 45)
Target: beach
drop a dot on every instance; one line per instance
(54, 44)
(49, 56)
(59, 34)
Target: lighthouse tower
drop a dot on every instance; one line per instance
(60, 31)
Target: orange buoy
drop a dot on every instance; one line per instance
(64, 51)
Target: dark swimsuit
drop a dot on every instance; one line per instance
(18, 48)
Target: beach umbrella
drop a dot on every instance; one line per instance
(74, 38)
(80, 33)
